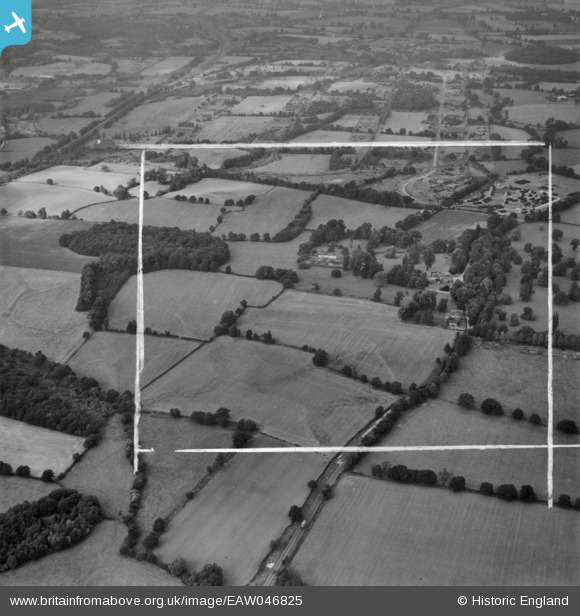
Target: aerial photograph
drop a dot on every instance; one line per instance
(290, 293)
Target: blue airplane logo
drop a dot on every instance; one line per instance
(16, 22)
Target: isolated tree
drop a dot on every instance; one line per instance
(178, 567)
(320, 358)
(574, 243)
(466, 401)
(527, 494)
(295, 513)
(486, 488)
(517, 414)
(47, 475)
(490, 406)
(564, 501)
(23, 471)
(507, 491)
(457, 484)
(535, 419)
(428, 258)
(567, 426)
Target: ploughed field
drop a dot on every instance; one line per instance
(368, 336)
(233, 519)
(374, 533)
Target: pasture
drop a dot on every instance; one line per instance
(366, 335)
(263, 105)
(326, 136)
(152, 116)
(15, 490)
(517, 380)
(171, 475)
(234, 518)
(214, 159)
(157, 212)
(188, 303)
(354, 213)
(448, 225)
(95, 561)
(247, 257)
(538, 114)
(37, 311)
(233, 128)
(23, 196)
(523, 97)
(277, 387)
(105, 471)
(95, 102)
(285, 83)
(358, 85)
(61, 126)
(48, 71)
(397, 535)
(297, 164)
(110, 358)
(34, 244)
(78, 177)
(269, 213)
(38, 448)
(218, 190)
(414, 121)
(359, 123)
(18, 149)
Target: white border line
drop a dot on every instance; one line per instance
(327, 144)
(140, 334)
(550, 477)
(375, 449)
(341, 144)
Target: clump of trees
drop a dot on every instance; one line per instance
(43, 393)
(63, 518)
(221, 417)
(115, 244)
(288, 277)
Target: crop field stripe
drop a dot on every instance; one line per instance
(550, 341)
(329, 144)
(379, 449)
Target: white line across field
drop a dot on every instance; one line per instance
(375, 449)
(328, 144)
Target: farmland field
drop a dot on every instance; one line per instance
(326, 136)
(444, 423)
(233, 128)
(572, 136)
(234, 518)
(266, 105)
(188, 303)
(78, 177)
(449, 224)
(247, 257)
(365, 335)
(268, 214)
(218, 190)
(538, 114)
(61, 126)
(105, 471)
(170, 475)
(356, 86)
(277, 387)
(422, 540)
(24, 196)
(38, 448)
(15, 490)
(95, 561)
(297, 164)
(286, 83)
(152, 116)
(157, 212)
(354, 213)
(415, 121)
(214, 159)
(33, 243)
(62, 68)
(517, 380)
(571, 217)
(37, 311)
(110, 358)
(18, 149)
